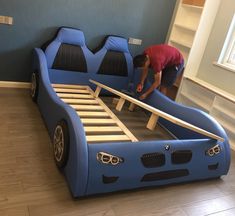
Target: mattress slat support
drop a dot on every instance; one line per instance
(79, 101)
(96, 117)
(92, 114)
(120, 104)
(105, 138)
(67, 90)
(73, 96)
(152, 121)
(68, 86)
(93, 121)
(87, 107)
(97, 91)
(115, 118)
(160, 113)
(102, 129)
(131, 107)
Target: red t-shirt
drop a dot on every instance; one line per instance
(163, 56)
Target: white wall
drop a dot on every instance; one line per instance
(208, 72)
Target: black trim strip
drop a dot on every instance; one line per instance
(165, 175)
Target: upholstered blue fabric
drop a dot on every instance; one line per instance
(71, 36)
(84, 173)
(132, 170)
(93, 60)
(68, 36)
(54, 110)
(116, 44)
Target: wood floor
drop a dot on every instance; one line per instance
(30, 183)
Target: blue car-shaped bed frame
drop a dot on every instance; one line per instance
(66, 83)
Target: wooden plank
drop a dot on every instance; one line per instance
(79, 101)
(115, 118)
(64, 95)
(97, 91)
(105, 138)
(131, 107)
(120, 104)
(66, 90)
(92, 114)
(152, 122)
(76, 103)
(162, 114)
(102, 129)
(69, 86)
(87, 107)
(95, 121)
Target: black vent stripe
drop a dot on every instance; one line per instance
(70, 57)
(114, 63)
(109, 179)
(165, 175)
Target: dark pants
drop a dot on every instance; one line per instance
(170, 74)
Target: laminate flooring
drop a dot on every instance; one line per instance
(31, 185)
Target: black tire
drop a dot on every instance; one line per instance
(61, 144)
(34, 86)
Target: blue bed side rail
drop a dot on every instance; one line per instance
(130, 172)
(53, 110)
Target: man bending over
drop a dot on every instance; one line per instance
(167, 63)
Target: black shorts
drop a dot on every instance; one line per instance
(170, 74)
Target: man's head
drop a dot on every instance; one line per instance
(141, 61)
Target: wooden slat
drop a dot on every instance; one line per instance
(120, 104)
(69, 86)
(102, 129)
(76, 101)
(152, 122)
(132, 107)
(105, 138)
(92, 114)
(79, 101)
(87, 107)
(66, 90)
(64, 95)
(160, 113)
(115, 118)
(97, 91)
(97, 121)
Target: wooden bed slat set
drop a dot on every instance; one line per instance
(100, 123)
(97, 118)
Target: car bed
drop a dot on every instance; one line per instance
(96, 151)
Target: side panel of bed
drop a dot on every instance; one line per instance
(54, 110)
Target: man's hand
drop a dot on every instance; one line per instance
(139, 88)
(143, 96)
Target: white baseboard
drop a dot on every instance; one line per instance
(7, 84)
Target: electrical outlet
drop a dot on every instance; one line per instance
(6, 20)
(135, 41)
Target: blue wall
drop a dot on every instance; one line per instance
(35, 21)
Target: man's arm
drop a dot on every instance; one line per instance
(144, 74)
(156, 83)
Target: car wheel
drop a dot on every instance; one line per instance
(61, 144)
(34, 87)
